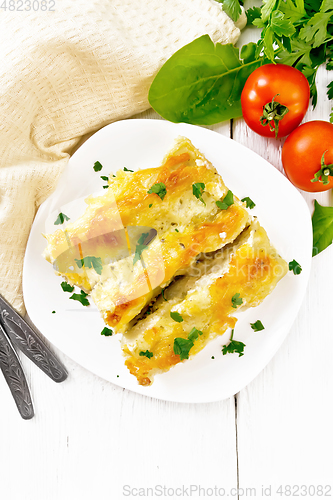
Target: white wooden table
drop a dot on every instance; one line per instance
(93, 440)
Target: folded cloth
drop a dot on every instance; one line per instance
(68, 69)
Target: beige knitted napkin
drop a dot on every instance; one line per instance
(67, 73)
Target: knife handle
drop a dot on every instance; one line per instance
(15, 378)
(26, 339)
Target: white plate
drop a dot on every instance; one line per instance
(76, 329)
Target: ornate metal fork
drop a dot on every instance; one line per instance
(16, 333)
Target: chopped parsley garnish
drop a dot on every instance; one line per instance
(228, 200)
(176, 317)
(97, 166)
(249, 202)
(105, 178)
(233, 346)
(149, 310)
(128, 170)
(198, 188)
(166, 300)
(194, 334)
(236, 300)
(61, 219)
(295, 267)
(159, 188)
(66, 287)
(89, 261)
(150, 205)
(176, 230)
(257, 326)
(183, 346)
(146, 353)
(140, 247)
(81, 297)
(107, 332)
(53, 312)
(213, 357)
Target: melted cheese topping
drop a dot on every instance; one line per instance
(253, 269)
(124, 286)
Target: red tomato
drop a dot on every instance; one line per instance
(302, 156)
(266, 89)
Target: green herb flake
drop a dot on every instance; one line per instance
(97, 166)
(194, 334)
(128, 170)
(159, 188)
(66, 287)
(295, 267)
(166, 300)
(176, 316)
(53, 312)
(150, 205)
(176, 230)
(140, 247)
(234, 346)
(107, 332)
(257, 326)
(104, 177)
(249, 203)
(105, 187)
(228, 200)
(90, 261)
(146, 353)
(236, 300)
(149, 311)
(182, 347)
(81, 297)
(213, 357)
(61, 219)
(197, 189)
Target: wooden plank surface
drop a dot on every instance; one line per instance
(90, 438)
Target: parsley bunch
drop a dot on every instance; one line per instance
(298, 33)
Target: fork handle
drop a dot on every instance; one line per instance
(15, 378)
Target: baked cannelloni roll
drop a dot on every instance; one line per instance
(147, 228)
(201, 305)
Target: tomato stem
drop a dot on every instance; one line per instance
(325, 171)
(272, 113)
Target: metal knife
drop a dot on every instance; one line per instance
(14, 375)
(25, 338)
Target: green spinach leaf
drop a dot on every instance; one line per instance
(202, 82)
(322, 226)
